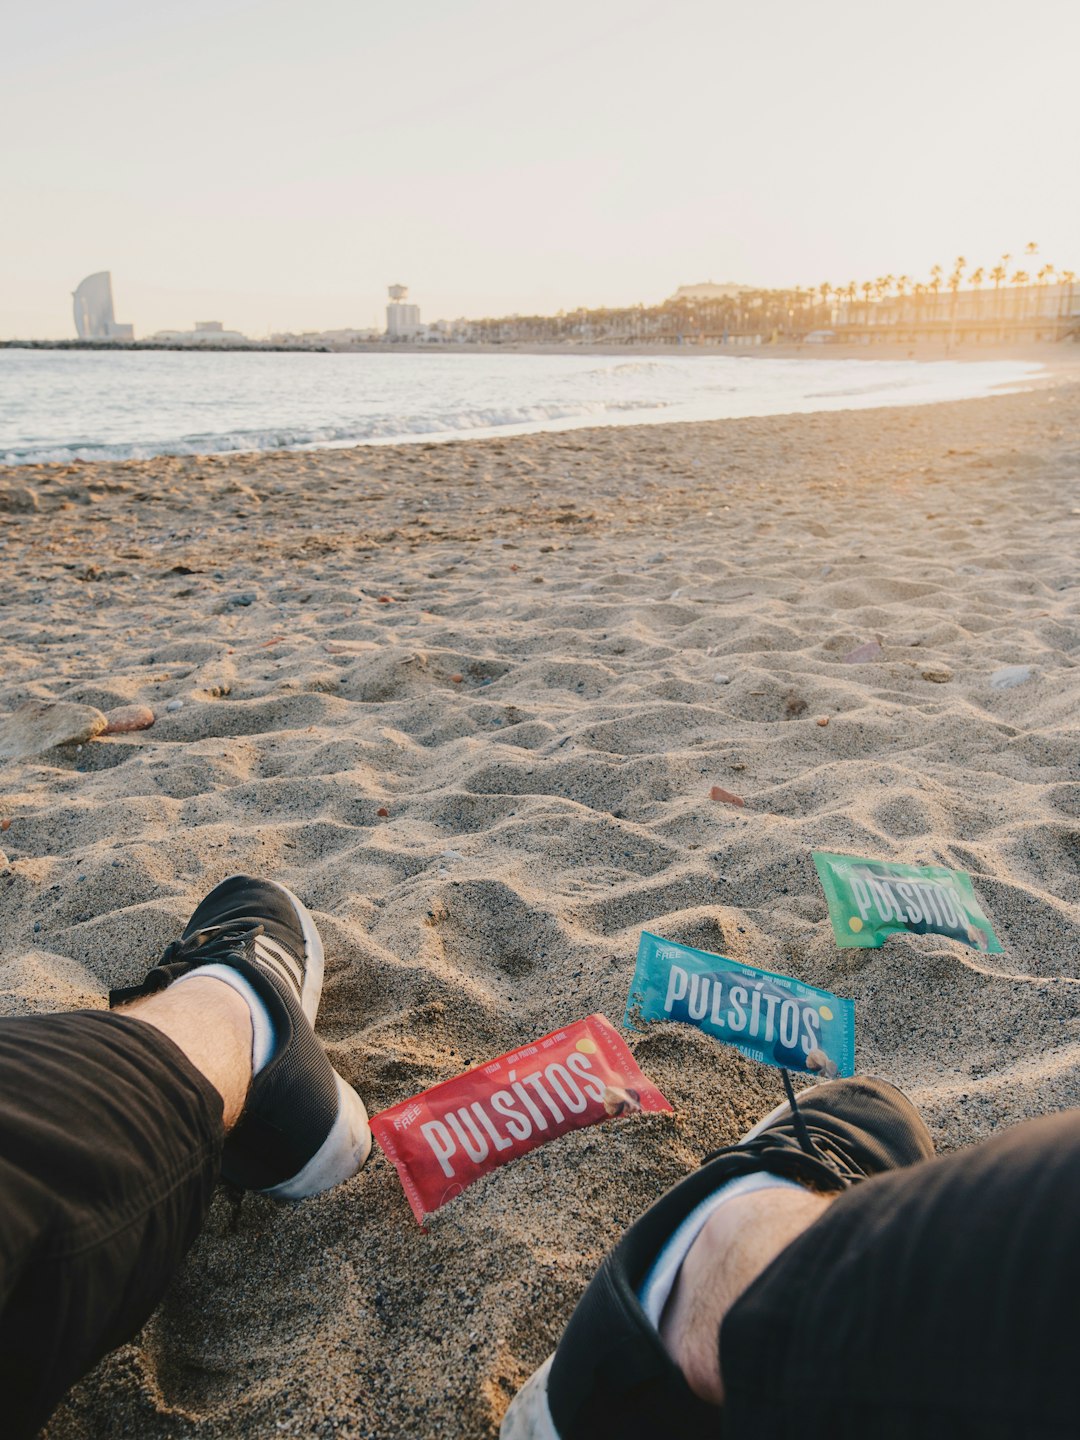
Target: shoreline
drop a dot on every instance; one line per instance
(469, 701)
(1062, 371)
(1044, 351)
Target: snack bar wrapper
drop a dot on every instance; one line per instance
(869, 899)
(448, 1136)
(768, 1017)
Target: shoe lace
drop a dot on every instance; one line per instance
(835, 1162)
(802, 1133)
(215, 942)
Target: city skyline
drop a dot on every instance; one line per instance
(281, 175)
(1040, 288)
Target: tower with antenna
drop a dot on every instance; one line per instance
(402, 319)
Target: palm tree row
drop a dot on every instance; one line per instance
(901, 285)
(769, 314)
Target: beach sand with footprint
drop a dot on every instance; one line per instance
(469, 701)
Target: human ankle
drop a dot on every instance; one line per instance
(734, 1247)
(211, 1024)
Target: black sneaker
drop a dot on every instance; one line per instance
(611, 1377)
(303, 1128)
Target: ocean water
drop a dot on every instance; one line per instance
(63, 405)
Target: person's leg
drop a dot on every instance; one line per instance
(933, 1299)
(110, 1147)
(115, 1128)
(211, 1024)
(735, 1246)
(638, 1357)
(939, 1302)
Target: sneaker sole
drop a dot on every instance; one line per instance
(529, 1417)
(341, 1154)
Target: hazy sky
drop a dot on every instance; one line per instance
(276, 165)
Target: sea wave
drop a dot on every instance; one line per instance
(380, 429)
(630, 369)
(64, 406)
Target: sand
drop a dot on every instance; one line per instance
(635, 615)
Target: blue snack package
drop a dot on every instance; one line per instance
(770, 1018)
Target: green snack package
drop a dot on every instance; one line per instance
(869, 899)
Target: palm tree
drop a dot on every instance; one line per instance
(954, 285)
(902, 283)
(1042, 279)
(977, 277)
(936, 276)
(1020, 278)
(1067, 279)
(997, 274)
(1031, 248)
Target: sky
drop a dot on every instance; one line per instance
(277, 165)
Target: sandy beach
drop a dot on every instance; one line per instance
(536, 656)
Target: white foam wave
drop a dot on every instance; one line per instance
(384, 429)
(63, 406)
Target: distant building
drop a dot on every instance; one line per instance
(709, 291)
(94, 318)
(206, 332)
(346, 338)
(402, 319)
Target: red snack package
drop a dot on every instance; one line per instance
(448, 1136)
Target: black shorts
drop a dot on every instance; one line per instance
(110, 1146)
(940, 1302)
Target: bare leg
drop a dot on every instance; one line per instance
(736, 1245)
(211, 1024)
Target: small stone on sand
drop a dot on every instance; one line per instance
(174, 705)
(823, 719)
(718, 793)
(939, 674)
(456, 679)
(382, 811)
(126, 718)
(721, 679)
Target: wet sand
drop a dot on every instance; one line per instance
(538, 655)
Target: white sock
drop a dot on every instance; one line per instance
(660, 1281)
(262, 1027)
